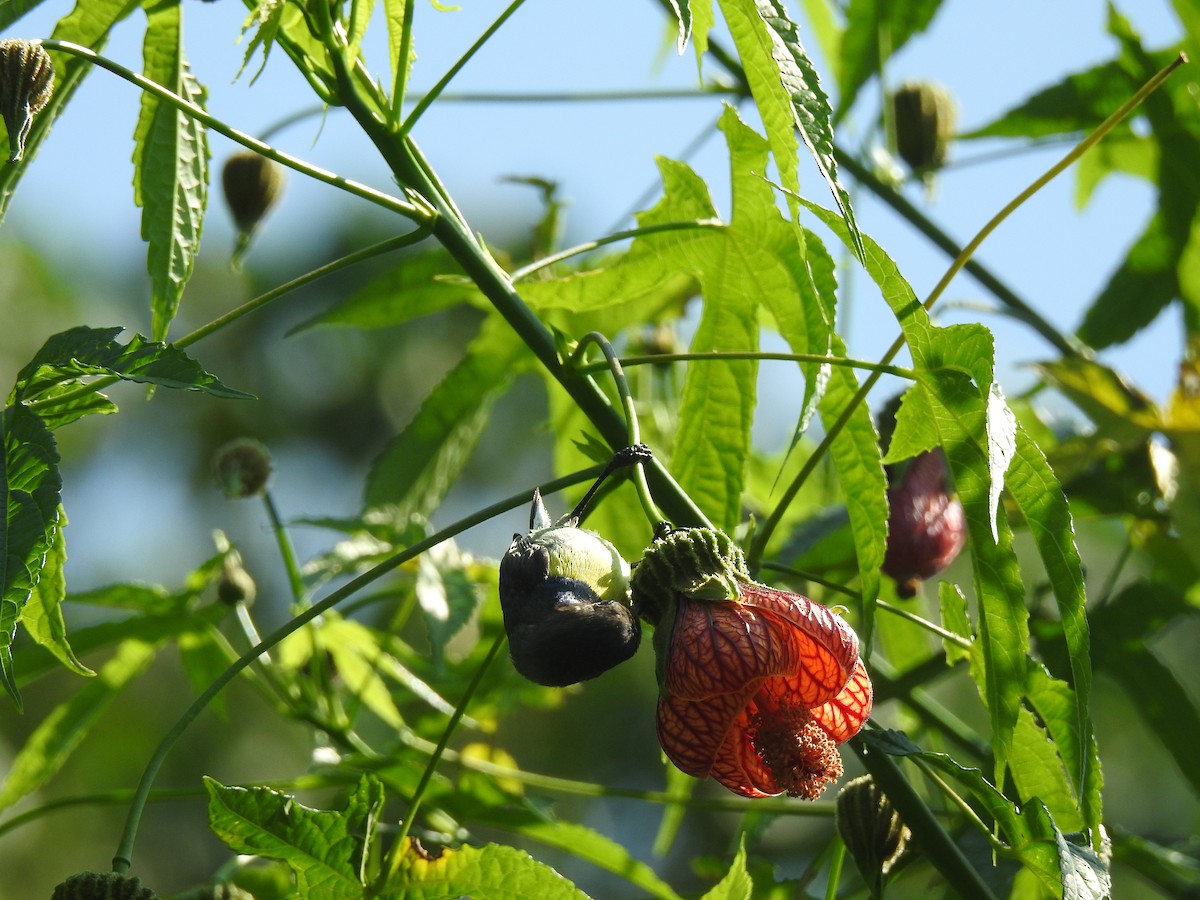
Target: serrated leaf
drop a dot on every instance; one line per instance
(360, 17)
(1044, 506)
(493, 871)
(788, 94)
(80, 352)
(87, 24)
(856, 456)
(875, 31)
(418, 467)
(59, 734)
(394, 12)
(953, 607)
(170, 166)
(737, 884)
(1127, 154)
(683, 12)
(32, 486)
(42, 615)
(14, 9)
(324, 848)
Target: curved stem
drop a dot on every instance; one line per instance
(295, 582)
(633, 430)
(396, 853)
(547, 261)
(661, 358)
(435, 91)
(417, 212)
(123, 858)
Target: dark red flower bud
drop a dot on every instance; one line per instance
(925, 119)
(926, 524)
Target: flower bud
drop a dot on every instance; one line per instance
(925, 120)
(102, 886)
(26, 85)
(565, 596)
(872, 830)
(236, 585)
(242, 468)
(252, 184)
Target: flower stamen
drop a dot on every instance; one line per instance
(802, 758)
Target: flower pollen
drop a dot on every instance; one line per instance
(800, 755)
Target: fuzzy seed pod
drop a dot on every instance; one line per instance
(242, 467)
(925, 121)
(102, 886)
(872, 830)
(26, 85)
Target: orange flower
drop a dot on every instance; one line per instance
(759, 686)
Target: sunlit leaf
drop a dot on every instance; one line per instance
(59, 734)
(493, 870)
(32, 487)
(326, 849)
(42, 615)
(80, 352)
(789, 97)
(737, 884)
(856, 456)
(446, 594)
(170, 166)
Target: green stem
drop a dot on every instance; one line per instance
(836, 857)
(653, 513)
(661, 358)
(434, 92)
(123, 858)
(400, 81)
(547, 261)
(415, 211)
(943, 852)
(288, 554)
(396, 853)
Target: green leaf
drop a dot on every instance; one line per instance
(325, 849)
(1140, 288)
(59, 734)
(88, 24)
(737, 884)
(493, 871)
(32, 486)
(14, 9)
(170, 166)
(788, 94)
(447, 595)
(417, 285)
(1044, 506)
(1127, 154)
(683, 12)
(582, 843)
(418, 467)
(77, 353)
(394, 12)
(360, 17)
(856, 456)
(949, 402)
(42, 615)
(875, 31)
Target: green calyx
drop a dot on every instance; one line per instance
(699, 563)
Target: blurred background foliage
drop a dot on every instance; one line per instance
(140, 493)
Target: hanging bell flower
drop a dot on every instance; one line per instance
(757, 686)
(26, 85)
